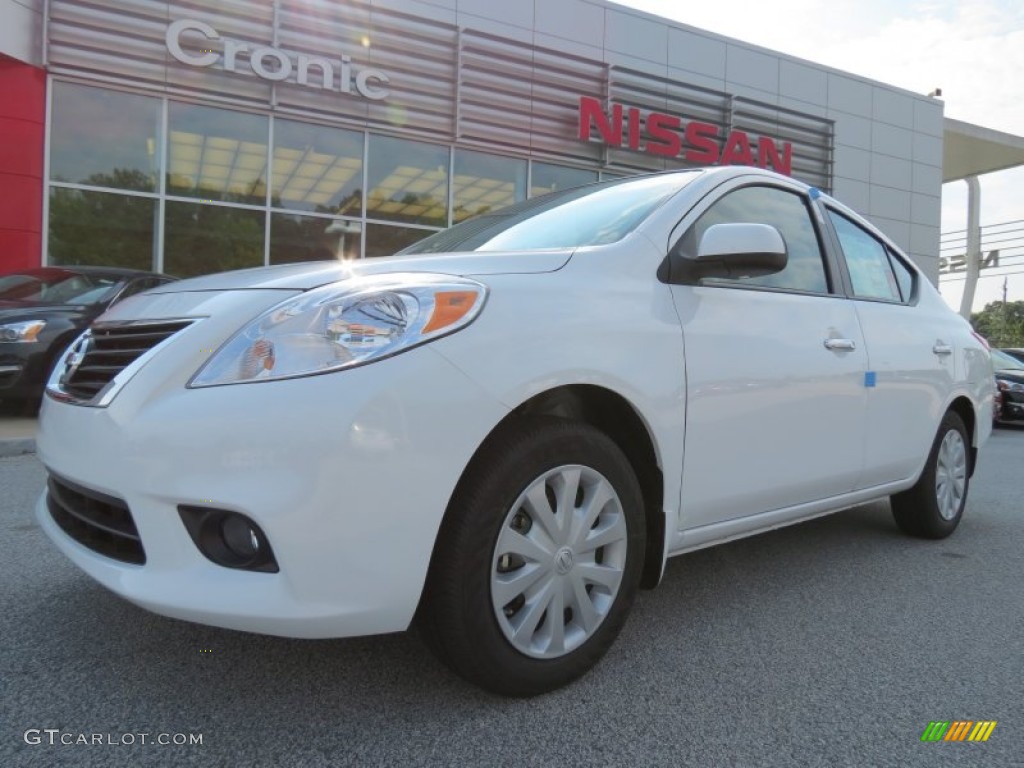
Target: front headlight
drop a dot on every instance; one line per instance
(27, 331)
(1009, 386)
(343, 325)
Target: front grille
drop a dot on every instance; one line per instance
(97, 521)
(109, 349)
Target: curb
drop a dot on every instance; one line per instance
(18, 447)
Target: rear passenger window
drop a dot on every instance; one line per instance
(784, 210)
(867, 260)
(904, 276)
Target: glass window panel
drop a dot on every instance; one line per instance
(787, 212)
(101, 229)
(103, 137)
(408, 181)
(866, 260)
(317, 168)
(382, 240)
(485, 183)
(211, 238)
(216, 154)
(311, 238)
(904, 276)
(554, 178)
(593, 215)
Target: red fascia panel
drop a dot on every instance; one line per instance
(21, 202)
(24, 90)
(19, 250)
(22, 127)
(21, 147)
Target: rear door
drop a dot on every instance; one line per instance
(910, 361)
(775, 369)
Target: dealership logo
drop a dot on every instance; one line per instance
(76, 355)
(696, 142)
(271, 63)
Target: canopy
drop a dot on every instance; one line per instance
(971, 150)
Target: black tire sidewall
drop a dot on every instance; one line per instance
(506, 467)
(917, 510)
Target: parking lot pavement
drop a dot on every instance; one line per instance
(17, 434)
(831, 643)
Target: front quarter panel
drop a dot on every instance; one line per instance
(602, 320)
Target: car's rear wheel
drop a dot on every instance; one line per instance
(932, 508)
(538, 560)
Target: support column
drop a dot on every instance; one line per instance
(973, 255)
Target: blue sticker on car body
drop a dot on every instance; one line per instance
(869, 378)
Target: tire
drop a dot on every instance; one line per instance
(932, 508)
(504, 564)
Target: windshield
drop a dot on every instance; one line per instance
(596, 214)
(1004, 362)
(56, 286)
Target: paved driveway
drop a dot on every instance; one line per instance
(832, 643)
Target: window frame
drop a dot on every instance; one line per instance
(892, 252)
(834, 286)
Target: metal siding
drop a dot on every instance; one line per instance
(446, 84)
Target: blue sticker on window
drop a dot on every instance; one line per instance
(869, 378)
(815, 193)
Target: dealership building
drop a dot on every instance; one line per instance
(194, 137)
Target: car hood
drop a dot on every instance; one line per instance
(1011, 375)
(17, 311)
(308, 275)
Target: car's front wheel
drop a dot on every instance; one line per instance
(538, 559)
(932, 508)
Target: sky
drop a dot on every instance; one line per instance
(972, 49)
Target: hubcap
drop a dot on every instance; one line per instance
(558, 562)
(951, 474)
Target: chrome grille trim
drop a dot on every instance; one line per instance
(103, 359)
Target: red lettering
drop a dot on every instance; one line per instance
(737, 150)
(634, 128)
(663, 134)
(662, 130)
(767, 153)
(702, 136)
(591, 113)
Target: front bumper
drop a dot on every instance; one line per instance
(23, 370)
(1011, 410)
(1011, 401)
(348, 475)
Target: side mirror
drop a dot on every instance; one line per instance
(738, 250)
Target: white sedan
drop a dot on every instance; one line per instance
(505, 431)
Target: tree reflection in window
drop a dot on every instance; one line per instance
(211, 238)
(102, 228)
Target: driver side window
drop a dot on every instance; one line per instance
(788, 213)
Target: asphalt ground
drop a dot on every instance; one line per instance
(831, 643)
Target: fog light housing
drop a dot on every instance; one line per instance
(228, 538)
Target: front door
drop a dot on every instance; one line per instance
(775, 371)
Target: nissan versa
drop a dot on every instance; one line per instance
(503, 432)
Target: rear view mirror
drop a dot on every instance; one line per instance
(738, 250)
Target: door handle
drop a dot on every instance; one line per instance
(942, 349)
(840, 344)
